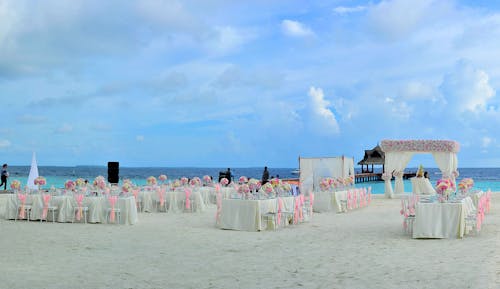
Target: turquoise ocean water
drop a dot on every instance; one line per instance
(485, 178)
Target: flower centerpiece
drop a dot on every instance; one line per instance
(126, 187)
(151, 181)
(15, 185)
(162, 178)
(286, 188)
(444, 187)
(80, 182)
(465, 185)
(195, 182)
(244, 189)
(99, 183)
(224, 181)
(176, 183)
(184, 181)
(325, 184)
(254, 184)
(207, 180)
(243, 180)
(69, 185)
(268, 189)
(40, 181)
(275, 182)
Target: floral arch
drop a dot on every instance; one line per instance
(398, 154)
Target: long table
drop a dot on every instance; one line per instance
(66, 204)
(174, 200)
(246, 215)
(326, 201)
(442, 220)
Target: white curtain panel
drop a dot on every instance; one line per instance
(312, 170)
(395, 163)
(447, 163)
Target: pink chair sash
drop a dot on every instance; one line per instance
(46, 200)
(280, 209)
(296, 211)
(188, 201)
(355, 198)
(112, 202)
(22, 198)
(301, 211)
(349, 200)
(219, 203)
(311, 201)
(369, 195)
(79, 201)
(161, 195)
(135, 192)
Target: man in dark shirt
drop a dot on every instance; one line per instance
(265, 176)
(5, 175)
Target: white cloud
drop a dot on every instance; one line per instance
(348, 10)
(416, 90)
(486, 142)
(467, 88)
(295, 29)
(4, 143)
(139, 138)
(31, 119)
(323, 118)
(397, 18)
(65, 128)
(227, 38)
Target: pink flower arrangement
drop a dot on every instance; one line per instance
(184, 181)
(268, 188)
(99, 182)
(151, 181)
(69, 185)
(224, 181)
(254, 184)
(444, 187)
(15, 185)
(162, 178)
(207, 179)
(325, 184)
(176, 184)
(243, 180)
(244, 189)
(195, 182)
(40, 181)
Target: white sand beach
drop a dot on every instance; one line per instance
(364, 248)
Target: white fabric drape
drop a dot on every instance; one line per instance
(447, 163)
(312, 170)
(395, 163)
(33, 174)
(388, 187)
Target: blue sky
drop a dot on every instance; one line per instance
(245, 83)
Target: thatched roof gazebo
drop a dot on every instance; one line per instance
(372, 157)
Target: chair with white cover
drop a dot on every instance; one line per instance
(274, 216)
(47, 208)
(23, 210)
(113, 213)
(79, 211)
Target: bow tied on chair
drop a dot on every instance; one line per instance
(79, 201)
(22, 199)
(46, 200)
(188, 201)
(112, 201)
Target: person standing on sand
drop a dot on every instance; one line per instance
(5, 175)
(265, 176)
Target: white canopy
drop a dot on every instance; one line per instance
(398, 154)
(312, 170)
(33, 174)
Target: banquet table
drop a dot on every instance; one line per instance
(65, 208)
(326, 201)
(246, 215)
(422, 186)
(174, 200)
(442, 220)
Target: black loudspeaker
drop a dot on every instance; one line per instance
(113, 172)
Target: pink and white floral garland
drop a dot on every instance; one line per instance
(420, 146)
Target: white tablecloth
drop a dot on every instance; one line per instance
(174, 200)
(441, 220)
(66, 204)
(246, 215)
(422, 186)
(326, 201)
